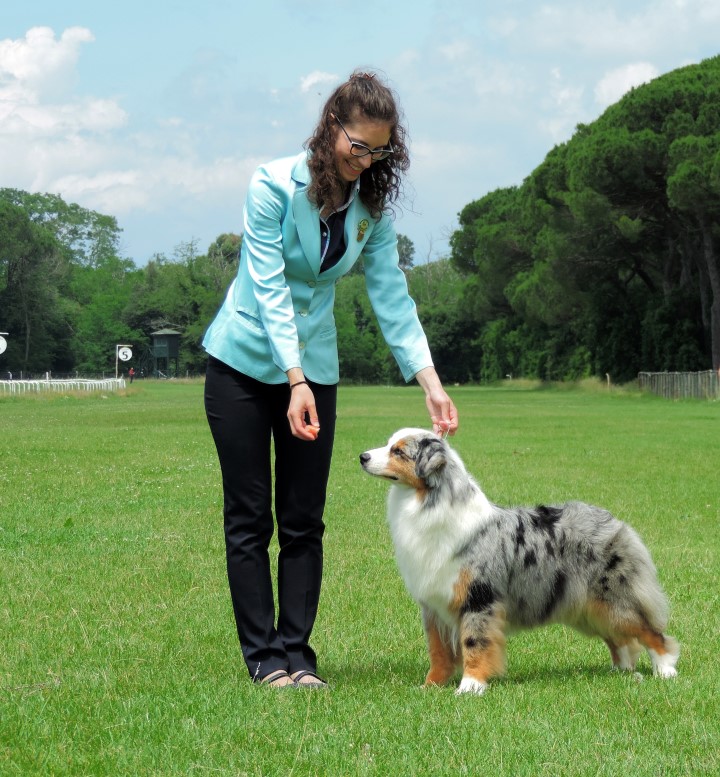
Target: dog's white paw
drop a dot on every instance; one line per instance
(664, 665)
(471, 685)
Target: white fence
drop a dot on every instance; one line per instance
(60, 386)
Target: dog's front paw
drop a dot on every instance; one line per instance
(471, 685)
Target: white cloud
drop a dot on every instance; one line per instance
(317, 78)
(455, 51)
(707, 10)
(151, 183)
(562, 107)
(37, 74)
(46, 129)
(615, 83)
(486, 89)
(435, 155)
(24, 118)
(617, 30)
(53, 139)
(39, 63)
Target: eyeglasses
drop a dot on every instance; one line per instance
(360, 149)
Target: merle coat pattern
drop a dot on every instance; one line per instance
(479, 571)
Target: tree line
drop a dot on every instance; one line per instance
(604, 261)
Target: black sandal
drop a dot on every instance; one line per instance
(271, 680)
(316, 682)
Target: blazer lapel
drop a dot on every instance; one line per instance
(358, 223)
(306, 216)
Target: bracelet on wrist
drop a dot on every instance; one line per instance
(299, 383)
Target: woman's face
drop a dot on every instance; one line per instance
(367, 132)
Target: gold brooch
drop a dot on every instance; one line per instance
(362, 229)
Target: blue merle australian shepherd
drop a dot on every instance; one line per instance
(479, 571)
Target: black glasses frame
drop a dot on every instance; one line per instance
(360, 149)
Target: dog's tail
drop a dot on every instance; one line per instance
(647, 594)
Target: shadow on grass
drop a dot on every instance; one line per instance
(409, 673)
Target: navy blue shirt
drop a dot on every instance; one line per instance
(332, 239)
(332, 232)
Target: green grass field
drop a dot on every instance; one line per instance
(118, 653)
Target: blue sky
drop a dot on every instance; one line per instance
(157, 112)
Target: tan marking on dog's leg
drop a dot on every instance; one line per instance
(613, 653)
(629, 633)
(483, 649)
(664, 650)
(442, 656)
(624, 656)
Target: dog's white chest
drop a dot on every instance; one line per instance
(426, 557)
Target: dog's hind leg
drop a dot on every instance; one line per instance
(625, 629)
(482, 640)
(624, 657)
(443, 659)
(664, 652)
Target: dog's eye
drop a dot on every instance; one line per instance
(399, 452)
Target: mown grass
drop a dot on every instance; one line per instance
(118, 654)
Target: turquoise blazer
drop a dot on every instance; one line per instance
(278, 311)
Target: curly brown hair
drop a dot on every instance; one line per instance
(362, 96)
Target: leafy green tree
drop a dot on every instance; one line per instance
(694, 190)
(615, 230)
(682, 108)
(184, 294)
(406, 252)
(209, 278)
(90, 237)
(99, 295)
(67, 288)
(364, 357)
(437, 289)
(32, 273)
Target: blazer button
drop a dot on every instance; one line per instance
(312, 284)
(301, 345)
(302, 313)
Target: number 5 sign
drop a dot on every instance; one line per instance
(124, 353)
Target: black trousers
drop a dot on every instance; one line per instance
(248, 419)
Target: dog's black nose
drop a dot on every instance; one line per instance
(364, 457)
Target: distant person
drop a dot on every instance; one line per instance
(273, 362)
(131, 373)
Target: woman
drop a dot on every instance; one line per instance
(273, 361)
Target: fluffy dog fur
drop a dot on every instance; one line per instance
(479, 571)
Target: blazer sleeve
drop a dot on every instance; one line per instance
(265, 207)
(394, 307)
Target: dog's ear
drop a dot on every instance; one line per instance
(430, 460)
